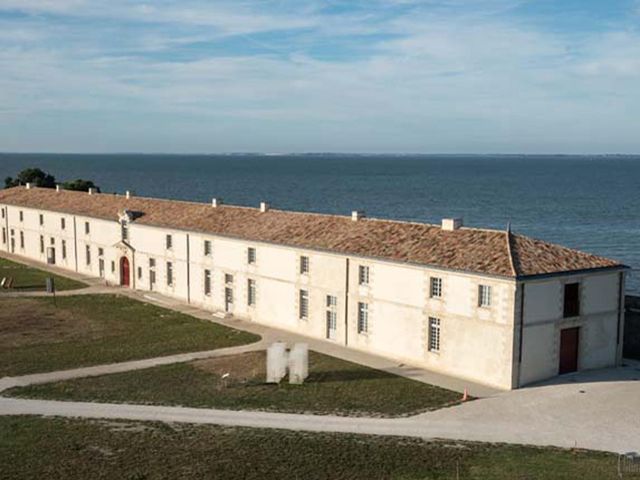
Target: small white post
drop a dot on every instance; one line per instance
(216, 202)
(264, 206)
(277, 360)
(299, 363)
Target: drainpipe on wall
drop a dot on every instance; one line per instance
(521, 336)
(346, 304)
(188, 271)
(75, 242)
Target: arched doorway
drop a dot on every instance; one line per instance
(124, 271)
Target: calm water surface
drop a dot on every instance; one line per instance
(589, 203)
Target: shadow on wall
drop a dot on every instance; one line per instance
(632, 327)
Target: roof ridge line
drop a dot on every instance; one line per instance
(510, 253)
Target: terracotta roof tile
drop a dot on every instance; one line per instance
(468, 249)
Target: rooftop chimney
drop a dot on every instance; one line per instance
(357, 215)
(91, 190)
(216, 202)
(451, 224)
(264, 206)
(28, 185)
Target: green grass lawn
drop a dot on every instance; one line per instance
(333, 387)
(36, 336)
(74, 449)
(27, 278)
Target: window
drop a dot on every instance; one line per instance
(169, 274)
(21, 216)
(41, 244)
(41, 219)
(228, 278)
(88, 254)
(251, 292)
(207, 282)
(63, 223)
(168, 242)
(435, 289)
(251, 255)
(124, 230)
(304, 305)
(332, 301)
(4, 235)
(113, 267)
(100, 251)
(331, 316)
(64, 249)
(304, 265)
(484, 295)
(207, 248)
(87, 228)
(3, 213)
(434, 334)
(152, 263)
(363, 275)
(139, 272)
(363, 317)
(21, 239)
(571, 300)
(52, 241)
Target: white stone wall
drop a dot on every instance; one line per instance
(543, 321)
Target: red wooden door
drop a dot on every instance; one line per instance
(124, 271)
(569, 338)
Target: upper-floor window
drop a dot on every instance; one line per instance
(251, 292)
(63, 223)
(100, 251)
(434, 334)
(207, 282)
(484, 295)
(169, 274)
(435, 287)
(152, 263)
(304, 265)
(41, 219)
(571, 300)
(21, 216)
(207, 248)
(363, 275)
(363, 317)
(303, 308)
(124, 230)
(228, 278)
(251, 255)
(168, 242)
(87, 228)
(3, 214)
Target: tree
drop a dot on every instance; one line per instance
(35, 176)
(80, 185)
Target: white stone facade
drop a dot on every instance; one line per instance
(513, 341)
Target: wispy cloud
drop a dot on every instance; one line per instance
(381, 75)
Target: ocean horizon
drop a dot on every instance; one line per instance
(588, 202)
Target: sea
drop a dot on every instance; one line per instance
(591, 203)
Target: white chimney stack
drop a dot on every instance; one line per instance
(28, 185)
(264, 206)
(216, 202)
(92, 190)
(451, 224)
(357, 215)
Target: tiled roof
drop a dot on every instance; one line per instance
(490, 252)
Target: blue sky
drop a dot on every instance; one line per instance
(430, 76)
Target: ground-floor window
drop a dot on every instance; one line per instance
(88, 254)
(304, 305)
(434, 334)
(64, 249)
(169, 274)
(363, 317)
(41, 243)
(21, 239)
(207, 282)
(251, 292)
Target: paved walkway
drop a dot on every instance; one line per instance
(599, 411)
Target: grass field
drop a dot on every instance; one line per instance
(54, 448)
(333, 387)
(36, 336)
(27, 278)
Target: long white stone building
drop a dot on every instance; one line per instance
(490, 306)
